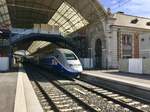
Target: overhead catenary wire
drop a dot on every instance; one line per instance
(119, 4)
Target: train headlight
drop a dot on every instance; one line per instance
(70, 65)
(74, 65)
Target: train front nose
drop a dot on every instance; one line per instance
(76, 66)
(79, 68)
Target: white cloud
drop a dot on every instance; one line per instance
(114, 1)
(132, 7)
(136, 7)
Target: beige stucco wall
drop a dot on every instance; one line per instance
(112, 49)
(146, 66)
(123, 65)
(144, 45)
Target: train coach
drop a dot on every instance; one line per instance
(62, 61)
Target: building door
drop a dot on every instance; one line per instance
(98, 54)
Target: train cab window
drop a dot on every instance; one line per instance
(70, 56)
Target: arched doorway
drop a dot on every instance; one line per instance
(98, 54)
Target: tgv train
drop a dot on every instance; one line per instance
(62, 61)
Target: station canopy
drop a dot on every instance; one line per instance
(69, 15)
(4, 15)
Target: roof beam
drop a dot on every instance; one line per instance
(33, 8)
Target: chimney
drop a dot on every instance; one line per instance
(120, 12)
(109, 11)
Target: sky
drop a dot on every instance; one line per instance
(131, 7)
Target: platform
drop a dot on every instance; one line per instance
(141, 80)
(137, 84)
(17, 94)
(26, 99)
(8, 83)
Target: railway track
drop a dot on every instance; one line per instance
(54, 99)
(78, 96)
(123, 100)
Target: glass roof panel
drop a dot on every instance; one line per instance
(60, 20)
(56, 24)
(4, 15)
(38, 44)
(76, 20)
(68, 13)
(63, 21)
(56, 16)
(61, 7)
(64, 10)
(67, 25)
(68, 19)
(52, 22)
(61, 29)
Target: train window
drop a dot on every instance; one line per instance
(70, 56)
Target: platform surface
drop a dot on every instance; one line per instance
(8, 82)
(140, 80)
(26, 99)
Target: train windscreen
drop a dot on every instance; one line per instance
(70, 56)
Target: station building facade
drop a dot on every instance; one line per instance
(118, 36)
